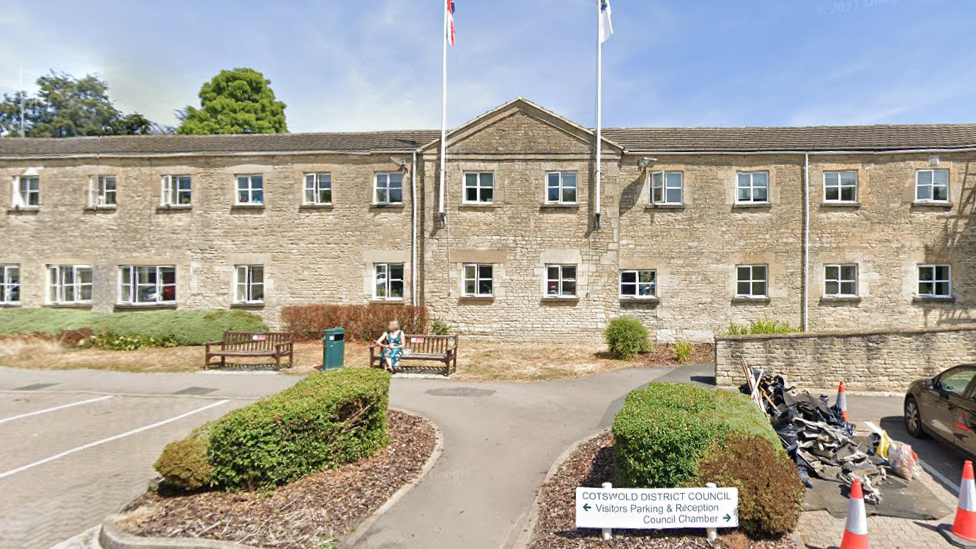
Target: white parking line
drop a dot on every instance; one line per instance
(109, 439)
(931, 470)
(55, 409)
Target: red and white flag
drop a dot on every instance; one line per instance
(450, 21)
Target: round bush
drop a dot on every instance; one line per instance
(184, 464)
(626, 337)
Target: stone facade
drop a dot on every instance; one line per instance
(864, 361)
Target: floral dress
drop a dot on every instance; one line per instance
(393, 354)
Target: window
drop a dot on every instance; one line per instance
(389, 188)
(478, 280)
(561, 187)
(9, 284)
(318, 189)
(479, 188)
(840, 280)
(27, 192)
(176, 190)
(250, 190)
(934, 281)
(249, 284)
(840, 186)
(147, 284)
(932, 186)
(752, 187)
(561, 281)
(955, 381)
(69, 284)
(666, 187)
(388, 281)
(102, 191)
(751, 281)
(638, 284)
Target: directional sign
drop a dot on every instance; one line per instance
(645, 508)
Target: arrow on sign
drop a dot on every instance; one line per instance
(727, 517)
(586, 507)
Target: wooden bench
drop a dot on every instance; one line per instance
(422, 347)
(276, 345)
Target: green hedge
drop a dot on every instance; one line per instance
(325, 420)
(183, 327)
(626, 337)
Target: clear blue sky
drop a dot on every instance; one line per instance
(343, 66)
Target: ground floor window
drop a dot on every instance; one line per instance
(638, 283)
(560, 280)
(388, 281)
(934, 281)
(478, 280)
(249, 284)
(9, 284)
(751, 281)
(69, 284)
(840, 280)
(147, 284)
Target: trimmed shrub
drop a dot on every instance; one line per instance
(325, 420)
(440, 327)
(626, 337)
(184, 464)
(361, 322)
(115, 342)
(770, 491)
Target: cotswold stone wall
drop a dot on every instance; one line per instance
(865, 361)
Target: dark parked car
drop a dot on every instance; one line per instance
(945, 407)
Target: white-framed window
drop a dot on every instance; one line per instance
(751, 281)
(934, 281)
(69, 284)
(26, 191)
(479, 188)
(560, 280)
(932, 186)
(318, 189)
(388, 281)
(667, 187)
(752, 188)
(147, 284)
(250, 190)
(840, 186)
(388, 188)
(638, 284)
(840, 280)
(177, 191)
(10, 284)
(478, 280)
(102, 191)
(249, 284)
(561, 188)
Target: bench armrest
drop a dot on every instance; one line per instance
(284, 347)
(212, 343)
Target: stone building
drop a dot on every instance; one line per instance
(824, 227)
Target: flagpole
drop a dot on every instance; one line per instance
(599, 114)
(440, 203)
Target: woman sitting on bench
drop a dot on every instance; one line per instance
(392, 343)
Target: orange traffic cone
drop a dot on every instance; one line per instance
(856, 531)
(842, 402)
(963, 531)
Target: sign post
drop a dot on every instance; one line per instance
(659, 508)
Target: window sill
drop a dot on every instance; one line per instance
(477, 206)
(102, 209)
(174, 209)
(753, 300)
(933, 299)
(640, 300)
(390, 206)
(840, 299)
(560, 299)
(560, 206)
(651, 207)
(375, 301)
(752, 205)
(254, 305)
(247, 207)
(840, 204)
(68, 305)
(23, 210)
(9, 305)
(477, 298)
(933, 205)
(143, 306)
(316, 207)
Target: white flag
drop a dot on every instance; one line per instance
(606, 27)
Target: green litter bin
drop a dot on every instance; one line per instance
(333, 348)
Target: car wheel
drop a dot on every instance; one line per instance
(913, 418)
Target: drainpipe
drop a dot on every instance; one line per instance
(413, 230)
(805, 308)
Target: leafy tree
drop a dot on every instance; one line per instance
(66, 106)
(235, 101)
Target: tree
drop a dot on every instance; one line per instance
(235, 101)
(66, 106)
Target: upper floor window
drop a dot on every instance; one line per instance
(27, 192)
(752, 187)
(250, 190)
(934, 281)
(666, 187)
(10, 284)
(388, 281)
(389, 188)
(560, 280)
(840, 186)
(147, 284)
(479, 188)
(478, 280)
(561, 188)
(751, 281)
(102, 191)
(249, 284)
(176, 190)
(638, 284)
(69, 284)
(932, 186)
(840, 280)
(318, 189)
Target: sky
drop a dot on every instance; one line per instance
(376, 65)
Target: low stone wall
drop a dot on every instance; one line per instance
(865, 361)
